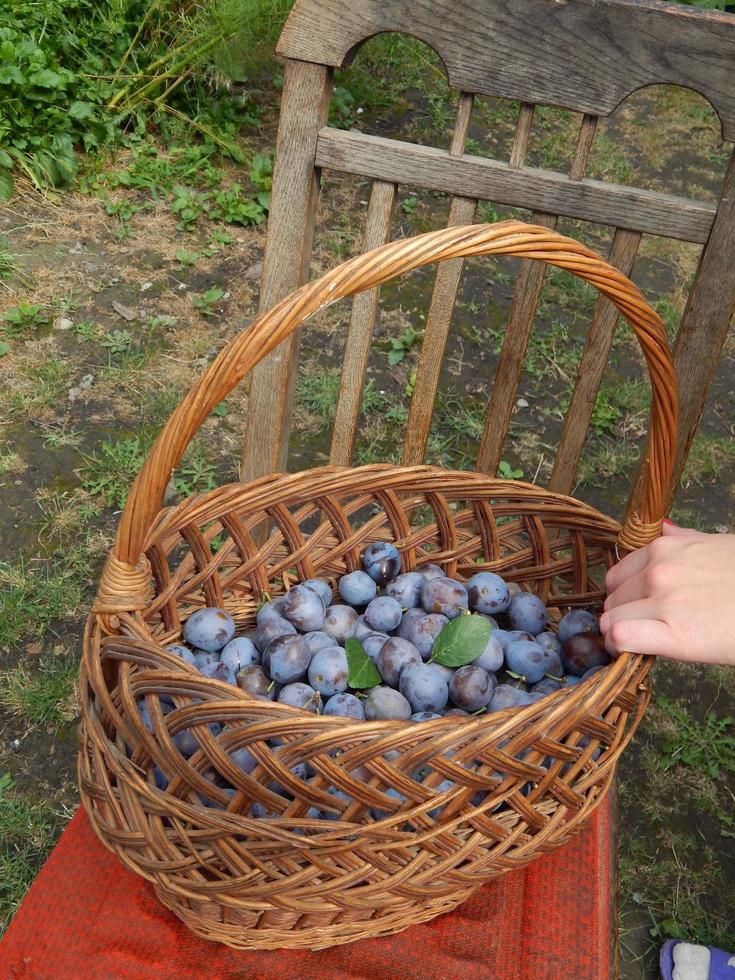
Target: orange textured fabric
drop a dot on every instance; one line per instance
(86, 916)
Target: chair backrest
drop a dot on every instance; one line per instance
(582, 55)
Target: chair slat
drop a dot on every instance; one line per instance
(526, 295)
(650, 212)
(360, 332)
(305, 105)
(462, 212)
(622, 255)
(705, 324)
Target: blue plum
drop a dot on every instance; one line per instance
(423, 688)
(424, 630)
(345, 706)
(383, 614)
(240, 652)
(425, 715)
(527, 612)
(317, 640)
(491, 658)
(255, 681)
(381, 561)
(582, 651)
(272, 609)
(328, 671)
(547, 685)
(471, 688)
(394, 656)
(209, 629)
(300, 695)
(362, 629)
(269, 629)
(549, 641)
(488, 593)
(410, 617)
(577, 621)
(406, 589)
(219, 671)
(378, 814)
(244, 759)
(287, 658)
(506, 696)
(445, 596)
(373, 643)
(179, 650)
(304, 608)
(384, 703)
(528, 659)
(323, 589)
(340, 622)
(431, 570)
(357, 588)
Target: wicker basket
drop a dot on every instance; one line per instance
(524, 779)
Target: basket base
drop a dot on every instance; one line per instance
(287, 930)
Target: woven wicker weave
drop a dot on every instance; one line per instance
(524, 780)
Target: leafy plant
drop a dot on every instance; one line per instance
(508, 472)
(400, 346)
(24, 315)
(207, 302)
(118, 341)
(708, 747)
(110, 473)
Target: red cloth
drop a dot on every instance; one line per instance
(87, 917)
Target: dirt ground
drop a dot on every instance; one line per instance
(89, 378)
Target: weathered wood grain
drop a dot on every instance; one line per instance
(704, 325)
(305, 103)
(526, 293)
(360, 332)
(528, 187)
(461, 212)
(592, 366)
(586, 55)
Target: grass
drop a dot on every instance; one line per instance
(110, 472)
(317, 391)
(42, 697)
(709, 458)
(33, 598)
(28, 831)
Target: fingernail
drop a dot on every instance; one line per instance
(670, 523)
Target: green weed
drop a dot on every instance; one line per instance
(34, 597)
(45, 696)
(400, 346)
(110, 472)
(317, 391)
(207, 302)
(24, 316)
(28, 831)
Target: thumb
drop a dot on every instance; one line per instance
(671, 530)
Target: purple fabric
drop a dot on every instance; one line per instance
(722, 964)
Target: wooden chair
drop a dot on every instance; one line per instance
(582, 55)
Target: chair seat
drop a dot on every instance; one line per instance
(86, 915)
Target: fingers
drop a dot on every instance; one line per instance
(649, 636)
(633, 588)
(633, 563)
(670, 530)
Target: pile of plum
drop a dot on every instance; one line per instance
(411, 646)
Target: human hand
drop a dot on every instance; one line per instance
(674, 598)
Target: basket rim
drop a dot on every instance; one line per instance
(136, 636)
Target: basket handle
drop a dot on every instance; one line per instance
(125, 579)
